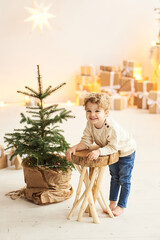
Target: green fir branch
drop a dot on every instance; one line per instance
(28, 94)
(33, 91)
(39, 82)
(56, 88)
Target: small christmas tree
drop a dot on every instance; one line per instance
(41, 140)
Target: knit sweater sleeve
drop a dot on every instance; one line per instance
(113, 142)
(87, 138)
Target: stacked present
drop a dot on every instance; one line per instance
(110, 83)
(131, 73)
(154, 101)
(119, 102)
(109, 79)
(127, 87)
(132, 69)
(137, 87)
(143, 89)
(3, 158)
(87, 81)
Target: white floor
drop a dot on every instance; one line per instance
(24, 220)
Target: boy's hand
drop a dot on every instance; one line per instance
(69, 153)
(93, 155)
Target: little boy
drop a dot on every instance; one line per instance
(110, 137)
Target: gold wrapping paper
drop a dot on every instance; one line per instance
(80, 95)
(131, 63)
(88, 83)
(119, 102)
(154, 101)
(129, 96)
(108, 68)
(142, 101)
(3, 158)
(136, 85)
(127, 84)
(129, 67)
(135, 100)
(106, 78)
(145, 86)
(89, 70)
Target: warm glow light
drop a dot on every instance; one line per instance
(69, 104)
(153, 43)
(2, 103)
(159, 66)
(137, 73)
(27, 99)
(39, 16)
(137, 76)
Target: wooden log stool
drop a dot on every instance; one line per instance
(91, 173)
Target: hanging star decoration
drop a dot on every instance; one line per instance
(39, 16)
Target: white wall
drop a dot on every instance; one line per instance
(84, 31)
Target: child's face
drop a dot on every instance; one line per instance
(95, 114)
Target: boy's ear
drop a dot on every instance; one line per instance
(107, 112)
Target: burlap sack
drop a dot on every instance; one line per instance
(44, 186)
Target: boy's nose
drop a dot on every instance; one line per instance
(92, 114)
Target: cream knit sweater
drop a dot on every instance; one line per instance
(110, 138)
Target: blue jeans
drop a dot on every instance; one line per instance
(121, 172)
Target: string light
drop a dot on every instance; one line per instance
(2, 103)
(69, 104)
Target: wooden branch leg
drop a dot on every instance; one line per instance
(91, 169)
(76, 202)
(80, 184)
(93, 209)
(86, 181)
(100, 203)
(76, 205)
(98, 184)
(86, 184)
(88, 192)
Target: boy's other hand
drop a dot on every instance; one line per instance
(93, 155)
(69, 153)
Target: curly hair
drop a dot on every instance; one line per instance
(101, 99)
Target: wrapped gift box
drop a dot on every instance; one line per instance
(129, 96)
(131, 63)
(80, 95)
(87, 83)
(96, 87)
(137, 81)
(142, 100)
(3, 158)
(154, 101)
(127, 84)
(136, 84)
(89, 70)
(118, 102)
(110, 79)
(108, 68)
(131, 68)
(135, 100)
(145, 86)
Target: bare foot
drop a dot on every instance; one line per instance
(117, 211)
(112, 206)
